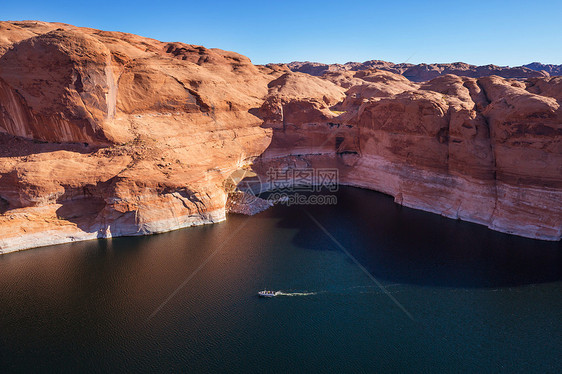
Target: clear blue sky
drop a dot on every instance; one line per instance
(479, 32)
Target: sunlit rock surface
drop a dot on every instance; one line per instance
(105, 134)
(109, 134)
(485, 150)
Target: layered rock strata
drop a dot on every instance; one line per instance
(109, 134)
(485, 150)
(105, 134)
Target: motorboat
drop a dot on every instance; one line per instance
(266, 293)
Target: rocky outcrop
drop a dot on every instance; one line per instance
(105, 134)
(109, 134)
(241, 202)
(485, 150)
(425, 72)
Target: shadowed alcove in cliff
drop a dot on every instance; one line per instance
(16, 146)
(403, 245)
(4, 205)
(82, 206)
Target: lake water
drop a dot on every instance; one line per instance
(186, 301)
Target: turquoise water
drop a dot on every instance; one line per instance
(185, 301)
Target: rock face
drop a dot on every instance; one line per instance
(425, 72)
(485, 150)
(105, 134)
(110, 134)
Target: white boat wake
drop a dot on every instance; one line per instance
(281, 293)
(346, 291)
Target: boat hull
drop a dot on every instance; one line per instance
(266, 294)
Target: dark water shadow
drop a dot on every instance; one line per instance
(403, 245)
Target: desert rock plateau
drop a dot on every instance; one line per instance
(424, 72)
(109, 134)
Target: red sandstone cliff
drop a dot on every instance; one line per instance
(485, 150)
(109, 134)
(106, 134)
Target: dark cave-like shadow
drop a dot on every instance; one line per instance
(15, 146)
(82, 205)
(403, 245)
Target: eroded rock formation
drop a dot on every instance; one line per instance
(105, 134)
(424, 72)
(111, 134)
(485, 150)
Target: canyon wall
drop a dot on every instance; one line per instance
(106, 134)
(485, 150)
